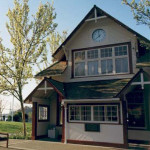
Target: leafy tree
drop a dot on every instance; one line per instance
(28, 36)
(3, 104)
(141, 13)
(55, 39)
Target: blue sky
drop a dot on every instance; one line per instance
(69, 14)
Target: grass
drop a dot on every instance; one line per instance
(15, 129)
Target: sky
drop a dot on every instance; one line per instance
(69, 14)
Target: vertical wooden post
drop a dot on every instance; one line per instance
(65, 108)
(34, 121)
(63, 125)
(7, 140)
(125, 126)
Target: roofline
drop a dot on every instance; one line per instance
(83, 20)
(129, 83)
(37, 75)
(34, 90)
(78, 26)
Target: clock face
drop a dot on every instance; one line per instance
(98, 35)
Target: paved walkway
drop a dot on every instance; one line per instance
(46, 145)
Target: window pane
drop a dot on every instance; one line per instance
(121, 50)
(74, 112)
(80, 69)
(86, 113)
(98, 113)
(92, 67)
(111, 113)
(107, 52)
(92, 54)
(79, 56)
(121, 65)
(106, 66)
(43, 113)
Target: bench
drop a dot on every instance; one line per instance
(4, 137)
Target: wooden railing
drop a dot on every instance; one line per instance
(4, 137)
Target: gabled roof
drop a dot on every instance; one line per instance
(136, 78)
(57, 86)
(102, 89)
(102, 13)
(56, 69)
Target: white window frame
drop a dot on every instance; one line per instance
(113, 57)
(92, 114)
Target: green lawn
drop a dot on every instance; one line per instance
(15, 129)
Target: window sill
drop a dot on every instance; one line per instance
(102, 75)
(137, 128)
(83, 122)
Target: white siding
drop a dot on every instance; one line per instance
(108, 133)
(139, 135)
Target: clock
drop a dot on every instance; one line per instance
(98, 35)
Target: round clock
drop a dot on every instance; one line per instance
(98, 35)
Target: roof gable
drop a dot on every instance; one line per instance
(100, 13)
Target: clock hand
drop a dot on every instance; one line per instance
(98, 36)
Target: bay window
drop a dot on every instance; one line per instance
(110, 60)
(93, 113)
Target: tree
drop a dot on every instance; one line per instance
(3, 104)
(28, 37)
(141, 13)
(55, 39)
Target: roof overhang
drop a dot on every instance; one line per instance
(91, 100)
(43, 91)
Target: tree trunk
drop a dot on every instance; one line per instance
(23, 118)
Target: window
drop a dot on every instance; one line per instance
(136, 113)
(86, 113)
(96, 113)
(110, 60)
(105, 113)
(43, 113)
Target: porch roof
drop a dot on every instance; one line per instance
(102, 89)
(55, 69)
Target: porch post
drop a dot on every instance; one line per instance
(125, 126)
(65, 107)
(34, 120)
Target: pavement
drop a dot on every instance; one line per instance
(47, 145)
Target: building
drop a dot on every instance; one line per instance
(97, 91)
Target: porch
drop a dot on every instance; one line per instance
(46, 112)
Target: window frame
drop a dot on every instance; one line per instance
(143, 105)
(99, 59)
(92, 114)
(48, 113)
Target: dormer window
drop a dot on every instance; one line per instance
(101, 61)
